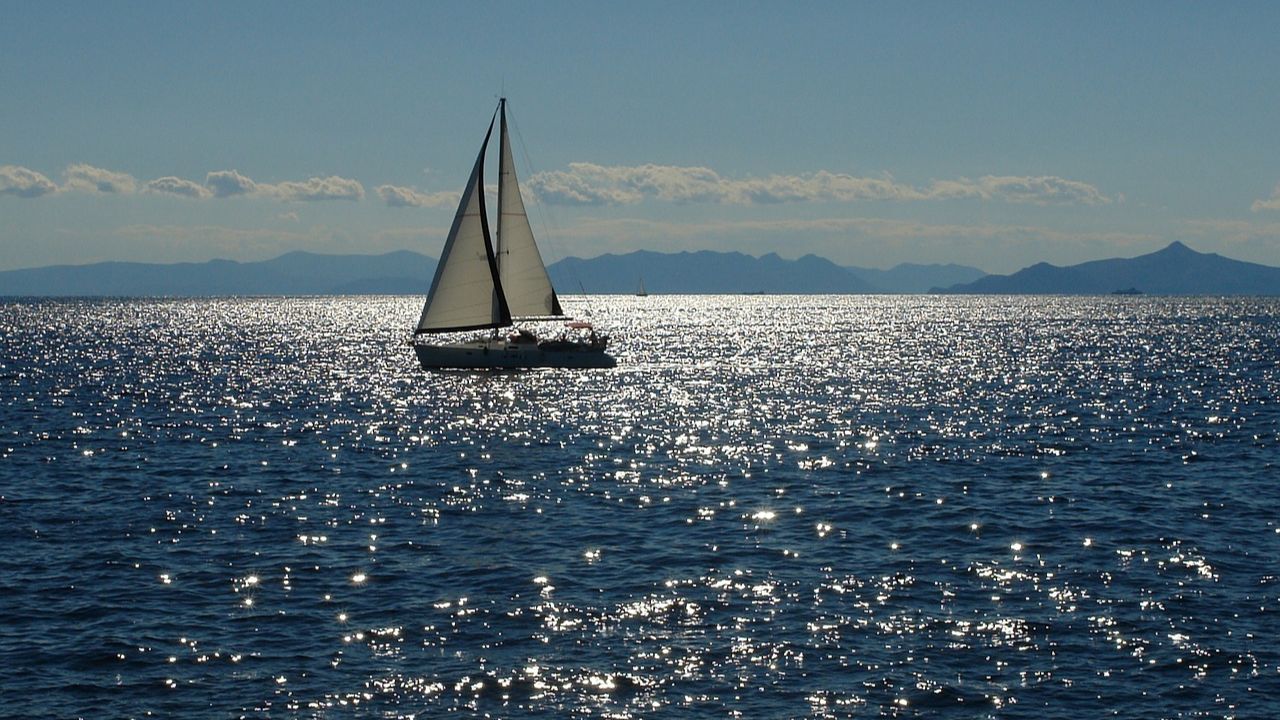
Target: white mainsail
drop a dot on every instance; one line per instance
(465, 293)
(521, 272)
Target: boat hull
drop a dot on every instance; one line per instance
(491, 354)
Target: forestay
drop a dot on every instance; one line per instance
(522, 274)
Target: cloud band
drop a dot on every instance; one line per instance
(591, 184)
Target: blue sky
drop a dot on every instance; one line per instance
(990, 134)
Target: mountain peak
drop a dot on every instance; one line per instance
(1174, 270)
(1177, 247)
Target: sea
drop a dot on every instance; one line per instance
(773, 507)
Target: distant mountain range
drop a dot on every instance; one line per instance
(295, 273)
(720, 272)
(405, 272)
(915, 278)
(1175, 270)
(703, 272)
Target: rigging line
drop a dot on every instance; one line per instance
(548, 237)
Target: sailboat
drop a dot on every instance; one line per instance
(481, 284)
(640, 291)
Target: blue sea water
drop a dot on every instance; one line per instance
(827, 506)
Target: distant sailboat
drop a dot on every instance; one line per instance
(480, 284)
(640, 291)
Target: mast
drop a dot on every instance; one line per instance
(502, 157)
(502, 173)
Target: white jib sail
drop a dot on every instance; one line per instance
(520, 268)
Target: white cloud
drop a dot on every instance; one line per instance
(591, 184)
(21, 182)
(820, 186)
(229, 183)
(633, 228)
(170, 185)
(1038, 190)
(312, 189)
(95, 179)
(396, 196)
(1271, 203)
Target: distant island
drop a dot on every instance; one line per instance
(408, 273)
(1174, 270)
(706, 272)
(294, 273)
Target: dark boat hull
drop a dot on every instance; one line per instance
(497, 353)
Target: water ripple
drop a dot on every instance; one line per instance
(774, 507)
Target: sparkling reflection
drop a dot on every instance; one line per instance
(973, 507)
